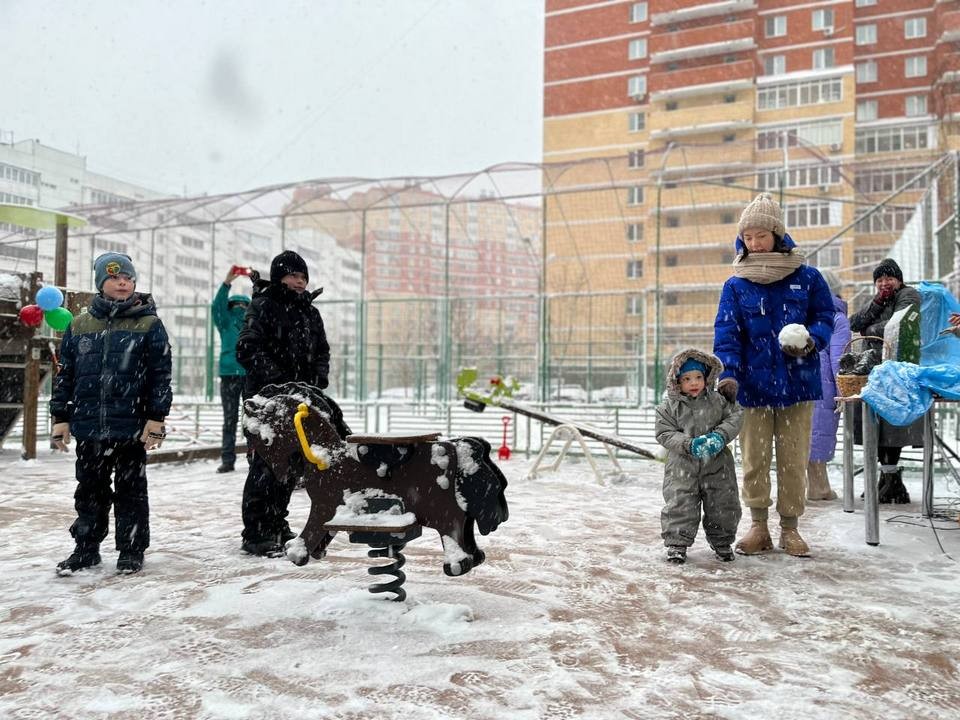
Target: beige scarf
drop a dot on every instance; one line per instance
(768, 267)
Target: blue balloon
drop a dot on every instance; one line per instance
(49, 297)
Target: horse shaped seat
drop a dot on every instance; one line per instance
(448, 485)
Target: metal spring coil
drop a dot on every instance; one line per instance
(393, 568)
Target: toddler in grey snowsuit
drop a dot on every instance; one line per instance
(695, 423)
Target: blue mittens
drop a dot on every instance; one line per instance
(705, 446)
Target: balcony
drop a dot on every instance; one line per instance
(702, 41)
(660, 80)
(699, 9)
(711, 160)
(694, 237)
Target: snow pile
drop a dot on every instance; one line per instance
(10, 286)
(354, 510)
(794, 336)
(574, 614)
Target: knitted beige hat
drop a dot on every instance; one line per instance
(764, 213)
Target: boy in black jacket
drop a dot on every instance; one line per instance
(283, 340)
(113, 393)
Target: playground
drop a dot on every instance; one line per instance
(573, 614)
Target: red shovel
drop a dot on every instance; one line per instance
(504, 452)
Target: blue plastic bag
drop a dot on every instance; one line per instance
(901, 393)
(936, 306)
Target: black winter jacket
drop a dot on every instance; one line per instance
(872, 318)
(115, 370)
(283, 339)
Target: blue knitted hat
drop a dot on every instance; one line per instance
(111, 264)
(691, 364)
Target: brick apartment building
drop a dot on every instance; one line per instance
(834, 103)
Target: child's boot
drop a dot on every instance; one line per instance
(790, 540)
(724, 553)
(677, 554)
(83, 556)
(129, 562)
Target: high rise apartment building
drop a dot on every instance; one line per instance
(697, 105)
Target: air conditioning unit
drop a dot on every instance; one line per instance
(823, 188)
(836, 147)
(828, 31)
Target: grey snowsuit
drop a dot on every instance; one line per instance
(688, 481)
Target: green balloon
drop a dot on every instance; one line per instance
(58, 318)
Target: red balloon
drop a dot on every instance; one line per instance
(31, 315)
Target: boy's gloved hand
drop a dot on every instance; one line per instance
(714, 443)
(698, 447)
(153, 434)
(60, 436)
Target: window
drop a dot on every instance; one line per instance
(891, 139)
(824, 132)
(638, 121)
(634, 269)
(828, 257)
(776, 26)
(915, 28)
(823, 19)
(915, 66)
(635, 159)
(673, 221)
(637, 49)
(865, 3)
(885, 220)
(637, 86)
(634, 232)
(775, 65)
(866, 34)
(866, 110)
(887, 179)
(809, 175)
(802, 93)
(916, 105)
(671, 260)
(635, 195)
(823, 58)
(634, 305)
(867, 71)
(638, 12)
(810, 214)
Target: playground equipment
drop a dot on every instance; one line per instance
(381, 489)
(566, 430)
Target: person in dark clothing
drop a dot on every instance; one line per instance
(113, 393)
(283, 340)
(228, 313)
(891, 297)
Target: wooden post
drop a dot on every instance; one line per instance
(60, 254)
(31, 392)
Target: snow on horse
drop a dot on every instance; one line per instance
(444, 484)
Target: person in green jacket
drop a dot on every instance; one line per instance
(228, 314)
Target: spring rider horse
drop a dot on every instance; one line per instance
(379, 488)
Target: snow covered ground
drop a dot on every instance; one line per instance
(574, 615)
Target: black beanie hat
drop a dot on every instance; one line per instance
(888, 268)
(285, 263)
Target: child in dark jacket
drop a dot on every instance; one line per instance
(228, 313)
(112, 393)
(283, 340)
(695, 423)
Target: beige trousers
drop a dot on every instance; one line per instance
(789, 429)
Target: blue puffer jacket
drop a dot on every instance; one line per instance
(115, 370)
(749, 319)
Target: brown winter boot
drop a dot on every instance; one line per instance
(757, 539)
(818, 483)
(792, 543)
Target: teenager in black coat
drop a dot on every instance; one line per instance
(282, 340)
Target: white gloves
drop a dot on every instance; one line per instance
(153, 434)
(60, 436)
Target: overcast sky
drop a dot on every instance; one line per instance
(186, 95)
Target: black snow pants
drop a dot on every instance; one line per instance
(126, 461)
(265, 501)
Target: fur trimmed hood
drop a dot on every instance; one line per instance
(714, 368)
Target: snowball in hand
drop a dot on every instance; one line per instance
(794, 336)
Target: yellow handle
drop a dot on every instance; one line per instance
(302, 412)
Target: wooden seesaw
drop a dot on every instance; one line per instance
(565, 430)
(381, 489)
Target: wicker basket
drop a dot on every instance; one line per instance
(849, 385)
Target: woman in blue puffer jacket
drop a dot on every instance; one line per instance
(770, 289)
